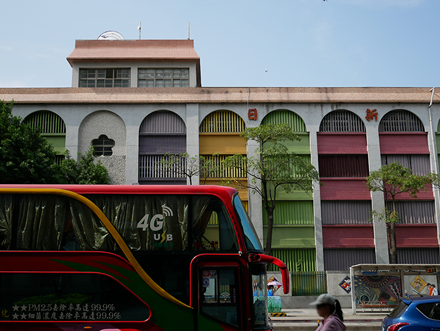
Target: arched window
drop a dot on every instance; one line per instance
(222, 121)
(161, 133)
(401, 121)
(285, 116)
(342, 121)
(52, 127)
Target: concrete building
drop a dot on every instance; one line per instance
(137, 100)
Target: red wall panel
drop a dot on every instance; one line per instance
(342, 143)
(420, 235)
(422, 195)
(343, 236)
(344, 189)
(403, 143)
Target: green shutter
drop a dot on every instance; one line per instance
(292, 236)
(46, 121)
(296, 259)
(292, 212)
(286, 116)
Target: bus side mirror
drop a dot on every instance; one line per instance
(280, 264)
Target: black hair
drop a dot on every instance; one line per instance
(338, 309)
(429, 284)
(432, 285)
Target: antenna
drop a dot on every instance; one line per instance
(188, 32)
(140, 29)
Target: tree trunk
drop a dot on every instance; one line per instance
(393, 246)
(268, 249)
(393, 249)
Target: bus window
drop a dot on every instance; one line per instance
(67, 297)
(219, 293)
(251, 238)
(145, 222)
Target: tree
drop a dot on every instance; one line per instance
(272, 168)
(84, 171)
(394, 179)
(25, 156)
(184, 165)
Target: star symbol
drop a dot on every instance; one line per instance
(23, 316)
(23, 308)
(15, 308)
(15, 316)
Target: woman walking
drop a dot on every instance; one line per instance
(330, 310)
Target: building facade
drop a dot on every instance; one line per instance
(138, 101)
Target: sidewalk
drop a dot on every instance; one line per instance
(307, 319)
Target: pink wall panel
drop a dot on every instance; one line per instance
(403, 143)
(342, 143)
(345, 236)
(422, 195)
(420, 235)
(344, 189)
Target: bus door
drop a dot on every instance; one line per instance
(217, 290)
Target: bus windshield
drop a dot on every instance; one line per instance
(250, 236)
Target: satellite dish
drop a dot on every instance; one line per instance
(111, 35)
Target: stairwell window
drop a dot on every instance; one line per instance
(104, 77)
(163, 77)
(103, 146)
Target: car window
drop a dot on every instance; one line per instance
(436, 312)
(399, 310)
(428, 309)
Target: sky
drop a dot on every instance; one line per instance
(272, 43)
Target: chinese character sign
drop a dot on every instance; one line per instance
(371, 114)
(252, 114)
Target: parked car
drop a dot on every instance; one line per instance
(414, 314)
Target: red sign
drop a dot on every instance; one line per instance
(252, 114)
(371, 114)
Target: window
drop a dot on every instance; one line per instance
(219, 293)
(145, 222)
(430, 310)
(163, 77)
(103, 145)
(104, 77)
(68, 297)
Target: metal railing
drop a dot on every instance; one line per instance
(309, 283)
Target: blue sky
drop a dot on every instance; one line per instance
(299, 42)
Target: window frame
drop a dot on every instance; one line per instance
(96, 77)
(155, 78)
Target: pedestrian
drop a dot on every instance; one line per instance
(430, 289)
(330, 310)
(270, 292)
(434, 290)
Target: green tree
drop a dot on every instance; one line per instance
(184, 165)
(87, 170)
(394, 179)
(272, 168)
(25, 156)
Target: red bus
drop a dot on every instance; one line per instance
(103, 257)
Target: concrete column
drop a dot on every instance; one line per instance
(133, 76)
(72, 140)
(192, 134)
(377, 199)
(255, 202)
(132, 160)
(319, 246)
(432, 144)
